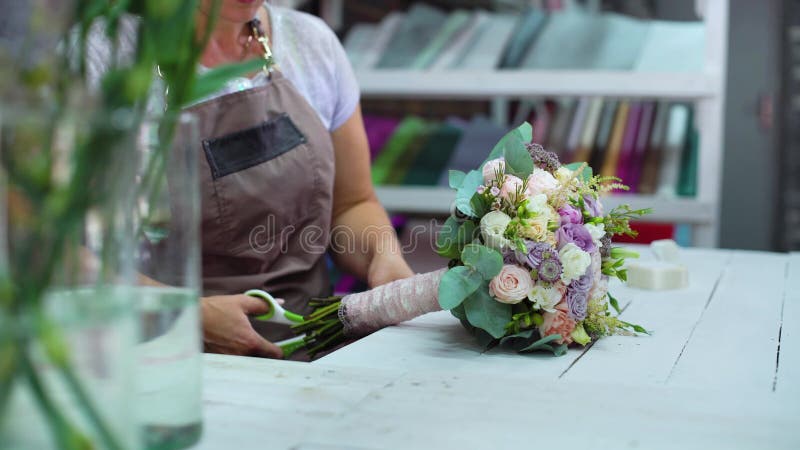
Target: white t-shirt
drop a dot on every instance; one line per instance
(306, 50)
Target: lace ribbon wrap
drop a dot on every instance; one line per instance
(390, 304)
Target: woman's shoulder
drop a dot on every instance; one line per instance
(301, 28)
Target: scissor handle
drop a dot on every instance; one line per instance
(276, 313)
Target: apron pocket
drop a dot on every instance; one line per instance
(247, 148)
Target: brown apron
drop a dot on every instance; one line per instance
(266, 174)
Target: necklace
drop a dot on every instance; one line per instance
(257, 32)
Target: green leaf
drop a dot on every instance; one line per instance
(526, 132)
(523, 133)
(520, 340)
(542, 344)
(456, 178)
(213, 80)
(486, 261)
(585, 175)
(458, 313)
(518, 160)
(486, 313)
(479, 204)
(456, 285)
(466, 233)
(447, 239)
(467, 190)
(614, 303)
(636, 328)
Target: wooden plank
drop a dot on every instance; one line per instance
(787, 377)
(252, 403)
(437, 341)
(444, 411)
(669, 315)
(734, 345)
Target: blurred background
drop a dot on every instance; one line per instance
(692, 102)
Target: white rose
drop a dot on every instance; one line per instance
(537, 205)
(491, 168)
(597, 232)
(540, 182)
(493, 226)
(574, 262)
(545, 298)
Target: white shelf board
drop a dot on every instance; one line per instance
(468, 84)
(436, 201)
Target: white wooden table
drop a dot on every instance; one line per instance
(721, 370)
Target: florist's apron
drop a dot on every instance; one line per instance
(266, 174)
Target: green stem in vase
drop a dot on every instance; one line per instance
(58, 353)
(64, 435)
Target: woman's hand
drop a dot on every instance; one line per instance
(385, 268)
(227, 330)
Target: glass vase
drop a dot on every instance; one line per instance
(67, 323)
(169, 355)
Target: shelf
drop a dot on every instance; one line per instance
(436, 201)
(533, 83)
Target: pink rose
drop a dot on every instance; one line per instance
(511, 185)
(491, 168)
(511, 285)
(558, 322)
(540, 182)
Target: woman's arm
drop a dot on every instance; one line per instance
(362, 239)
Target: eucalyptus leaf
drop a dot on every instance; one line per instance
(465, 234)
(523, 133)
(518, 161)
(486, 313)
(467, 190)
(447, 239)
(486, 261)
(215, 79)
(479, 204)
(585, 175)
(456, 178)
(456, 285)
(520, 340)
(542, 344)
(458, 313)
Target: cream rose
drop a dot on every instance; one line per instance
(535, 229)
(491, 168)
(511, 285)
(574, 262)
(563, 174)
(493, 226)
(545, 298)
(540, 182)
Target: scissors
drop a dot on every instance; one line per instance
(277, 314)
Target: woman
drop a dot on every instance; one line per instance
(284, 169)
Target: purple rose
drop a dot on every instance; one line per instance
(510, 256)
(576, 234)
(570, 214)
(582, 284)
(536, 252)
(577, 302)
(592, 206)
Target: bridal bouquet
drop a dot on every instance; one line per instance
(530, 253)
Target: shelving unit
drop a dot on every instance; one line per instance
(706, 90)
